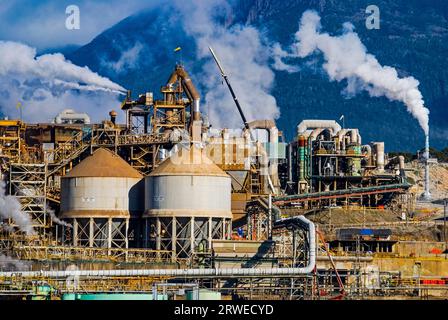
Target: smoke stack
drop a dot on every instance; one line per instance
(427, 194)
(113, 116)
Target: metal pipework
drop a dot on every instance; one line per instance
(268, 125)
(340, 139)
(189, 87)
(368, 149)
(272, 130)
(315, 124)
(427, 194)
(302, 146)
(203, 272)
(379, 151)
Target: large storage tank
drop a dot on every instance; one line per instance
(187, 204)
(99, 197)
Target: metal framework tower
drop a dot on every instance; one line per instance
(28, 184)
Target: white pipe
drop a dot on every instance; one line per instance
(379, 150)
(268, 125)
(223, 272)
(369, 153)
(341, 140)
(427, 194)
(314, 124)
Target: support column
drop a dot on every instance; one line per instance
(210, 226)
(174, 235)
(158, 233)
(126, 232)
(91, 232)
(191, 234)
(75, 232)
(109, 234)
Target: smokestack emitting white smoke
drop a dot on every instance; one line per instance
(56, 220)
(10, 208)
(9, 263)
(427, 193)
(346, 58)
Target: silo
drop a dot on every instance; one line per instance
(187, 204)
(99, 197)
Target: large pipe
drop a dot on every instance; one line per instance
(272, 130)
(401, 165)
(268, 125)
(203, 272)
(379, 151)
(315, 124)
(189, 88)
(368, 149)
(340, 145)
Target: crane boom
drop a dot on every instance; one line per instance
(240, 110)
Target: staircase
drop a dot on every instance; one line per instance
(67, 152)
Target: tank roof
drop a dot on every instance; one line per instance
(103, 163)
(188, 162)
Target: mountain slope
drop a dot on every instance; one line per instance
(138, 54)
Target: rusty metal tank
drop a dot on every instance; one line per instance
(102, 185)
(188, 184)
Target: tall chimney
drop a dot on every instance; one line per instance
(427, 194)
(113, 116)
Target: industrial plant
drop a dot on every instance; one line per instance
(167, 207)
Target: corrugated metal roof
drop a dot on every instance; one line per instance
(192, 162)
(103, 163)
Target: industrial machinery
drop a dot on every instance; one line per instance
(164, 197)
(187, 204)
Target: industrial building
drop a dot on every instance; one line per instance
(164, 202)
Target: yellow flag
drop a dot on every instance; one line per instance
(18, 105)
(177, 49)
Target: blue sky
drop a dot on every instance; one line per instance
(41, 23)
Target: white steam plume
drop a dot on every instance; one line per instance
(127, 60)
(10, 208)
(8, 263)
(245, 57)
(48, 84)
(56, 220)
(347, 58)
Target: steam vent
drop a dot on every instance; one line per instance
(187, 203)
(98, 197)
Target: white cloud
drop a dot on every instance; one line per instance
(47, 84)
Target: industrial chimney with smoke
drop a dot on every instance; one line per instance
(427, 194)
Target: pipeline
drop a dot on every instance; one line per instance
(211, 272)
(315, 124)
(268, 125)
(271, 128)
(189, 88)
(379, 151)
(427, 194)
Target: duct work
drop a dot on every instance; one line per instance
(427, 194)
(315, 124)
(69, 116)
(220, 272)
(189, 87)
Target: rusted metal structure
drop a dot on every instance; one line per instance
(187, 204)
(99, 197)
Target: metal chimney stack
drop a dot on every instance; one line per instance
(427, 194)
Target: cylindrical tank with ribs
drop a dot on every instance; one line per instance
(99, 197)
(187, 204)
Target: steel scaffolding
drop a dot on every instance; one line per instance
(28, 184)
